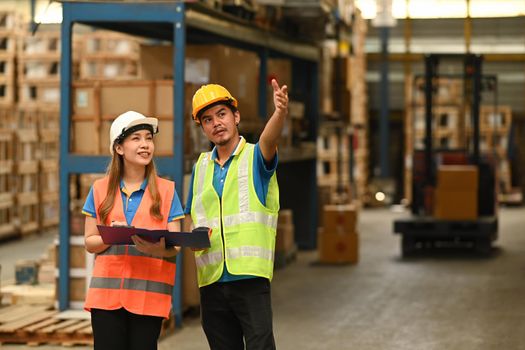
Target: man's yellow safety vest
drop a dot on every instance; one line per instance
(243, 228)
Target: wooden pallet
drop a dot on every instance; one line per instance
(48, 118)
(329, 145)
(514, 197)
(7, 216)
(26, 145)
(7, 66)
(104, 44)
(109, 68)
(45, 93)
(28, 212)
(331, 172)
(49, 209)
(8, 44)
(7, 92)
(11, 22)
(108, 55)
(34, 325)
(39, 69)
(7, 181)
(7, 113)
(49, 176)
(41, 45)
(45, 118)
(27, 176)
(49, 145)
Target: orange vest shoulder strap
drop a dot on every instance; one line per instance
(100, 190)
(164, 184)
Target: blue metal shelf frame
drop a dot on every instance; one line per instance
(169, 21)
(93, 13)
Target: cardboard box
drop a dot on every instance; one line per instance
(455, 204)
(156, 61)
(235, 69)
(457, 177)
(285, 238)
(26, 272)
(77, 290)
(285, 217)
(97, 104)
(342, 71)
(190, 286)
(280, 70)
(336, 248)
(77, 256)
(339, 218)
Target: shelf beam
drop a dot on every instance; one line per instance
(251, 35)
(419, 57)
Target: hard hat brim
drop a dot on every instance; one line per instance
(232, 101)
(154, 122)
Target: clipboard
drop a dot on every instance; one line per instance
(198, 238)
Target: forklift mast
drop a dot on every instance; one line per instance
(472, 92)
(472, 86)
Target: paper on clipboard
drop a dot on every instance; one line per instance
(117, 235)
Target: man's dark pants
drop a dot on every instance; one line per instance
(237, 310)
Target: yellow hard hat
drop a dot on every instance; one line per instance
(208, 95)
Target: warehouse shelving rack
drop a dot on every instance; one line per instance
(177, 22)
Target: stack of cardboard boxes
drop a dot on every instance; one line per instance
(285, 248)
(338, 240)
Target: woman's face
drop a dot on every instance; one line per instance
(137, 148)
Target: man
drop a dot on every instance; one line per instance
(234, 191)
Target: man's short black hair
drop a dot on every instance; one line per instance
(227, 103)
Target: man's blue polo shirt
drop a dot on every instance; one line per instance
(262, 173)
(130, 203)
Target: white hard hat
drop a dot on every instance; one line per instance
(123, 125)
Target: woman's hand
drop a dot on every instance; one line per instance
(157, 249)
(119, 223)
(92, 239)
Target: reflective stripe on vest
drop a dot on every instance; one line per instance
(235, 253)
(209, 259)
(131, 284)
(252, 217)
(199, 207)
(243, 218)
(132, 251)
(123, 276)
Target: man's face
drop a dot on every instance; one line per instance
(219, 124)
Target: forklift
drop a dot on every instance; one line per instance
(423, 229)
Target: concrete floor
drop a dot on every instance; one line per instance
(450, 300)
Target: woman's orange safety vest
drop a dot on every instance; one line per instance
(123, 276)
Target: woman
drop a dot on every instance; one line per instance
(131, 286)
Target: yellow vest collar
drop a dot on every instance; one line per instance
(240, 146)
